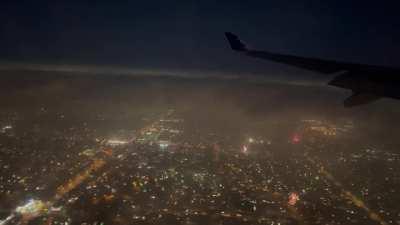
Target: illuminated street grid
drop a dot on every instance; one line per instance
(170, 173)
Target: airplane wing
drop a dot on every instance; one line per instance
(323, 66)
(360, 99)
(368, 83)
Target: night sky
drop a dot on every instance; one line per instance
(188, 35)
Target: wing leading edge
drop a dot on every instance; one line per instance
(368, 83)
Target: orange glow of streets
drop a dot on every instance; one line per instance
(78, 179)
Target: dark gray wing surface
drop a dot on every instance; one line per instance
(368, 83)
(323, 66)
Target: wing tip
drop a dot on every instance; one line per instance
(235, 42)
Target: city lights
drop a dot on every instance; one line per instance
(293, 198)
(116, 142)
(175, 171)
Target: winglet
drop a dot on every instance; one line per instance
(235, 42)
